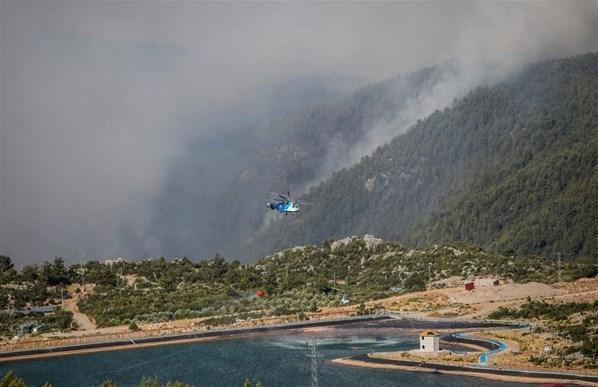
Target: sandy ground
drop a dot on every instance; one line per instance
(506, 378)
(84, 323)
(480, 302)
(443, 357)
(507, 292)
(522, 345)
(513, 356)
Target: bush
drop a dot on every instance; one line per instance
(415, 283)
(11, 380)
(302, 316)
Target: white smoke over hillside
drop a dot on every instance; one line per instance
(100, 99)
(491, 46)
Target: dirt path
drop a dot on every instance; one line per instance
(479, 303)
(84, 322)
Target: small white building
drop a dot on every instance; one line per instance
(113, 261)
(345, 300)
(429, 341)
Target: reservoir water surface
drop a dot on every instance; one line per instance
(273, 360)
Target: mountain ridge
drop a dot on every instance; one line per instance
(515, 128)
(213, 200)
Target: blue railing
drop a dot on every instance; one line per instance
(483, 358)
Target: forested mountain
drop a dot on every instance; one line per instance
(286, 139)
(513, 167)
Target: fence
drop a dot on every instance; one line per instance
(153, 335)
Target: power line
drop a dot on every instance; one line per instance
(430, 275)
(314, 355)
(82, 269)
(559, 265)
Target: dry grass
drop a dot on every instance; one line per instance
(523, 344)
(441, 357)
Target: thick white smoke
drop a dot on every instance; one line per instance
(98, 99)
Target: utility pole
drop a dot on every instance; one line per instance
(82, 270)
(118, 278)
(314, 355)
(559, 265)
(430, 275)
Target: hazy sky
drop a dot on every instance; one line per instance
(97, 97)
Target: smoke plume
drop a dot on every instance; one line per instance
(100, 100)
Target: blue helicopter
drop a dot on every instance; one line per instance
(284, 204)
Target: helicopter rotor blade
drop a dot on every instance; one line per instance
(281, 196)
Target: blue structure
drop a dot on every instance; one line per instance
(28, 327)
(44, 309)
(494, 346)
(500, 346)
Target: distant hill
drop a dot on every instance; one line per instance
(288, 138)
(295, 280)
(513, 167)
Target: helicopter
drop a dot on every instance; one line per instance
(284, 204)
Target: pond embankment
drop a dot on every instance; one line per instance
(383, 321)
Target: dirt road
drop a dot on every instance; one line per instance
(84, 322)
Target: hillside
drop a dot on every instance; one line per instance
(298, 280)
(512, 167)
(155, 297)
(287, 139)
